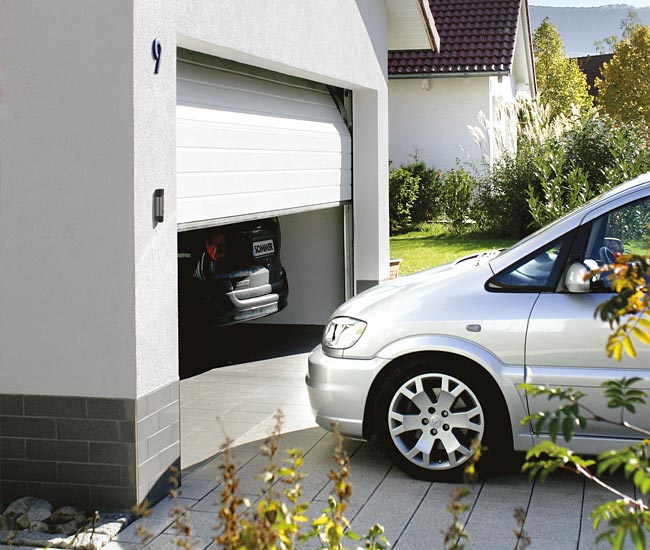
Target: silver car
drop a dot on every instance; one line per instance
(431, 361)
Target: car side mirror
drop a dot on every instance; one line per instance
(575, 281)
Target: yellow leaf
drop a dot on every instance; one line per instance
(300, 519)
(629, 347)
(614, 349)
(641, 335)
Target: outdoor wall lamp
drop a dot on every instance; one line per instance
(159, 205)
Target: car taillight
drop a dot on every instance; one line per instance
(215, 246)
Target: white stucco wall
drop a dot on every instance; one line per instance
(66, 198)
(88, 293)
(435, 121)
(154, 150)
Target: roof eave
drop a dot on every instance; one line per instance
(455, 74)
(432, 31)
(411, 26)
(530, 53)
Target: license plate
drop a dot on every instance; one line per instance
(263, 248)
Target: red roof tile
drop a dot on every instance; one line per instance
(475, 36)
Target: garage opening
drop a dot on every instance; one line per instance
(259, 146)
(264, 163)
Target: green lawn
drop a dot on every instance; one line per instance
(431, 245)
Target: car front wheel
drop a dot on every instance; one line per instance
(429, 418)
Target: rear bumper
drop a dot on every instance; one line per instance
(247, 310)
(338, 390)
(216, 309)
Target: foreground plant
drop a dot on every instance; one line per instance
(628, 312)
(626, 515)
(331, 527)
(455, 533)
(275, 521)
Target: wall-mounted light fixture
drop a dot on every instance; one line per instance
(159, 205)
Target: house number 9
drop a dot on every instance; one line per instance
(156, 52)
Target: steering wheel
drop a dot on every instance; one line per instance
(606, 255)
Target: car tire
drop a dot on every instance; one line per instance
(428, 414)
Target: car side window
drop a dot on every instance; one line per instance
(537, 272)
(621, 231)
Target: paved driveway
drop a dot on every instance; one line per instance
(240, 401)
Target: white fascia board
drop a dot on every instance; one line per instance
(525, 38)
(411, 26)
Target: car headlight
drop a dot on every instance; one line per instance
(343, 332)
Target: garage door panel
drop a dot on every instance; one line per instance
(214, 117)
(238, 101)
(242, 93)
(247, 145)
(236, 183)
(215, 160)
(233, 205)
(255, 137)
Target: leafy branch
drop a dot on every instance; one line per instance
(626, 515)
(628, 311)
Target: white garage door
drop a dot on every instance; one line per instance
(252, 145)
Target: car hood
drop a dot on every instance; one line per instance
(416, 285)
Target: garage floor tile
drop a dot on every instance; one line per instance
(235, 400)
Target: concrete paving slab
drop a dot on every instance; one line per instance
(594, 495)
(143, 527)
(171, 542)
(425, 529)
(210, 502)
(491, 522)
(368, 468)
(392, 504)
(201, 524)
(554, 516)
(113, 545)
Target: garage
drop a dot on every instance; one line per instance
(254, 144)
(103, 190)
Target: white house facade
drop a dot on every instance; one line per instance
(123, 123)
(485, 60)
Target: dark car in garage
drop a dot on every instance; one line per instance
(231, 273)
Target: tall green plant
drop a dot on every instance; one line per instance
(275, 521)
(561, 189)
(560, 82)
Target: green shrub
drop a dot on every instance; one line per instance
(607, 152)
(403, 189)
(426, 207)
(558, 164)
(501, 205)
(456, 197)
